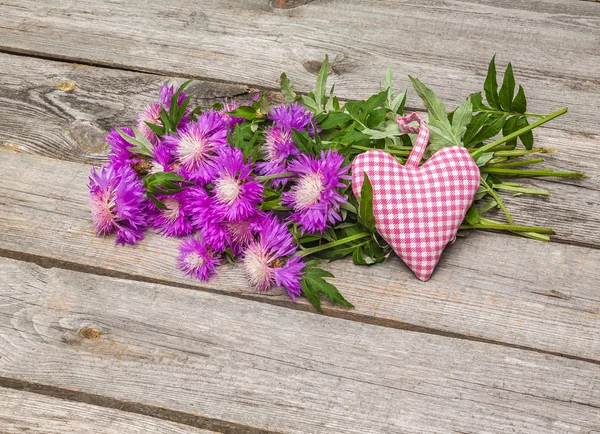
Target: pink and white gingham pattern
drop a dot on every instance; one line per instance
(418, 210)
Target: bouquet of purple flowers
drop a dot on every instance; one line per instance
(270, 186)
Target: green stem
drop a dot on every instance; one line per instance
(517, 163)
(523, 152)
(527, 115)
(391, 151)
(516, 172)
(498, 200)
(512, 228)
(522, 190)
(274, 176)
(519, 132)
(335, 243)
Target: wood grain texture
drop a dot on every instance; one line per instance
(553, 44)
(64, 111)
(487, 286)
(24, 412)
(223, 358)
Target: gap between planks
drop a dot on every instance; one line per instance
(224, 359)
(43, 409)
(349, 314)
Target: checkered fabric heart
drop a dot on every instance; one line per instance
(418, 210)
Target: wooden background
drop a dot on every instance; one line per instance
(97, 338)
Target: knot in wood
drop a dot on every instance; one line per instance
(90, 333)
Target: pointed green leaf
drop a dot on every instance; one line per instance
(287, 89)
(477, 101)
(334, 119)
(462, 117)
(472, 216)
(244, 112)
(397, 105)
(507, 91)
(365, 208)
(310, 104)
(491, 85)
(509, 127)
(157, 203)
(527, 137)
(435, 107)
(519, 104)
(321, 87)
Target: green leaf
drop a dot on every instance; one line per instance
(507, 91)
(244, 112)
(313, 284)
(157, 203)
(435, 107)
(473, 128)
(163, 183)
(472, 216)
(390, 130)
(365, 207)
(462, 117)
(527, 137)
(334, 119)
(372, 103)
(321, 87)
(519, 104)
(310, 104)
(509, 127)
(484, 158)
(397, 105)
(491, 85)
(477, 101)
(492, 127)
(287, 89)
(157, 129)
(142, 144)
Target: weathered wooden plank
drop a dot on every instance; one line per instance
(274, 368)
(487, 286)
(64, 111)
(553, 44)
(25, 412)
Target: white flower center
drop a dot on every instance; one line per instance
(172, 211)
(309, 190)
(256, 265)
(192, 149)
(194, 260)
(227, 189)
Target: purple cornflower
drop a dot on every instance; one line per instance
(314, 196)
(278, 150)
(151, 113)
(291, 116)
(279, 147)
(242, 233)
(195, 260)
(197, 146)
(200, 207)
(236, 191)
(120, 153)
(162, 161)
(267, 260)
(117, 202)
(173, 221)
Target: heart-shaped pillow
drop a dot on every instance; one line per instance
(418, 209)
